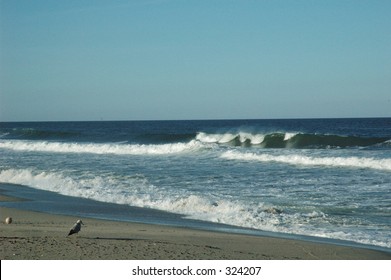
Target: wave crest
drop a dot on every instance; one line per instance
(290, 140)
(297, 159)
(106, 148)
(137, 191)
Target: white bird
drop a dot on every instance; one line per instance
(76, 227)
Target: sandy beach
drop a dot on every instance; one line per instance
(35, 236)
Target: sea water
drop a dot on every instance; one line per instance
(326, 178)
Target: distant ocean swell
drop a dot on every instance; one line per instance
(80, 136)
(137, 191)
(32, 133)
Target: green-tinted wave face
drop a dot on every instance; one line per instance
(293, 140)
(332, 141)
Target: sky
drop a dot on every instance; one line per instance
(194, 59)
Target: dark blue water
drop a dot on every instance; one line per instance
(323, 177)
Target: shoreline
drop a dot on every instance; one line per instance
(35, 235)
(31, 199)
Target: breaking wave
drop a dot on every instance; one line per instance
(290, 140)
(297, 159)
(96, 148)
(235, 137)
(134, 191)
(137, 191)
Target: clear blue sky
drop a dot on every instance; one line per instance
(201, 59)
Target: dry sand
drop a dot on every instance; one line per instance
(34, 236)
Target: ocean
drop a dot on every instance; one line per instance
(307, 178)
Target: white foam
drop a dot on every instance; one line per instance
(298, 159)
(96, 148)
(137, 191)
(254, 139)
(214, 138)
(132, 190)
(224, 138)
(289, 136)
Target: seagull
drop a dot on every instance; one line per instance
(76, 227)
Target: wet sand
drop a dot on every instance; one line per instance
(35, 236)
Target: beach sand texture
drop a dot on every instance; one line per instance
(35, 236)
